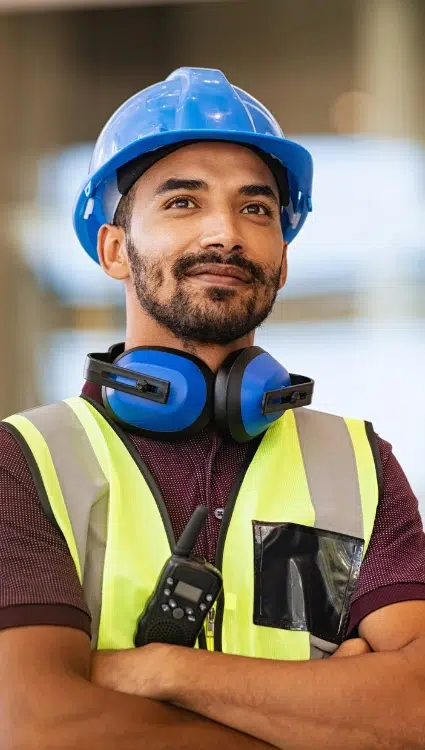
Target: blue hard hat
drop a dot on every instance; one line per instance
(191, 104)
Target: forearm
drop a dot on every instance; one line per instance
(370, 702)
(76, 714)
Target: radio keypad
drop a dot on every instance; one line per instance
(177, 611)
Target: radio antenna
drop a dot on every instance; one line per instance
(191, 533)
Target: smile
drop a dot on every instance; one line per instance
(218, 280)
(220, 275)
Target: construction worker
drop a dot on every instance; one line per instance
(192, 198)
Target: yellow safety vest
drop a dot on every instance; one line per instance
(310, 469)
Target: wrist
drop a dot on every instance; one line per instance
(173, 664)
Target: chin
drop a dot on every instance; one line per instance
(222, 294)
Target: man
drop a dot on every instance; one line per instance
(192, 198)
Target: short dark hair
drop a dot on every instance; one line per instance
(122, 217)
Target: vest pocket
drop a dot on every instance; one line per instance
(304, 578)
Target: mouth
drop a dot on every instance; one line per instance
(220, 275)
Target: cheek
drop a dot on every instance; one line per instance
(268, 255)
(148, 235)
(161, 247)
(266, 239)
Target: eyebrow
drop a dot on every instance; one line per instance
(251, 191)
(178, 184)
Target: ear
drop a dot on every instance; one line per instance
(111, 251)
(284, 266)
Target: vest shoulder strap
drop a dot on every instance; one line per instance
(56, 446)
(342, 460)
(324, 424)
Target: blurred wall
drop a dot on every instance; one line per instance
(61, 74)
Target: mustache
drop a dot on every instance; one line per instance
(183, 265)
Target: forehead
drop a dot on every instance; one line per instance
(212, 160)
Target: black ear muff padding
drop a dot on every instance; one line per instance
(220, 394)
(227, 393)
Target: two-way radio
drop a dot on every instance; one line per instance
(186, 590)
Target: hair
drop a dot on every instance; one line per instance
(122, 216)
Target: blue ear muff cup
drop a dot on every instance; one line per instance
(262, 373)
(239, 390)
(189, 406)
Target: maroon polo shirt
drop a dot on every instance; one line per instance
(38, 580)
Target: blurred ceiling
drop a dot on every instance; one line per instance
(25, 5)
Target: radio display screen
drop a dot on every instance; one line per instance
(189, 592)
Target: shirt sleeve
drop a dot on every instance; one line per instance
(39, 584)
(393, 569)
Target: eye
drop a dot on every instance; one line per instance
(258, 209)
(181, 203)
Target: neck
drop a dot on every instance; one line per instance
(142, 330)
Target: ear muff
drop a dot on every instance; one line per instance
(185, 382)
(167, 394)
(239, 393)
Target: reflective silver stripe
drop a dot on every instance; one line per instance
(95, 559)
(85, 490)
(332, 477)
(331, 470)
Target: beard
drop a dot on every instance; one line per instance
(215, 320)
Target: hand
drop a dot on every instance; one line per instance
(139, 671)
(353, 647)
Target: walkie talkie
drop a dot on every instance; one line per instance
(186, 590)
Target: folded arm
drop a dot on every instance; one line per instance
(372, 701)
(48, 701)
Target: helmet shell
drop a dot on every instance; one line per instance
(191, 104)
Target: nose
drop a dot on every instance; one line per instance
(220, 232)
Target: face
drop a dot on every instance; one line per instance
(205, 244)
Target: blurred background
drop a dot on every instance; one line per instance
(345, 78)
